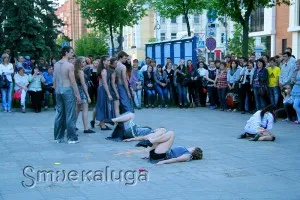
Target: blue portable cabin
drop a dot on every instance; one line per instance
(175, 49)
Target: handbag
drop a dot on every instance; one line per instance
(17, 95)
(4, 83)
(263, 91)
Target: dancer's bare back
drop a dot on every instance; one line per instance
(62, 71)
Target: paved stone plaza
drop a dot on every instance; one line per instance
(231, 169)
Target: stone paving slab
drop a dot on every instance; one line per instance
(230, 170)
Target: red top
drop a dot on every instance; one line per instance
(222, 80)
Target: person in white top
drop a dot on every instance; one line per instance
(259, 125)
(7, 70)
(21, 83)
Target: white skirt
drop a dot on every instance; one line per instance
(252, 129)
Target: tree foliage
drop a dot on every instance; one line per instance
(235, 43)
(240, 11)
(112, 15)
(30, 27)
(174, 8)
(91, 44)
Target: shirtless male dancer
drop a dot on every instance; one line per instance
(122, 84)
(65, 88)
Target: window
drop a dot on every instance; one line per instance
(257, 20)
(183, 20)
(162, 20)
(162, 36)
(196, 19)
(173, 20)
(284, 44)
(173, 36)
(222, 38)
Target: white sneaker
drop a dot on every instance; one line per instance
(73, 141)
(285, 120)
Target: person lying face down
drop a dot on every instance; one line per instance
(161, 150)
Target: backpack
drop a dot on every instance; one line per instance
(4, 83)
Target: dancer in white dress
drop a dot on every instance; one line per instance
(259, 125)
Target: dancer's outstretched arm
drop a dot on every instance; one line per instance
(183, 158)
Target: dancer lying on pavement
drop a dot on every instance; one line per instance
(162, 151)
(127, 129)
(259, 125)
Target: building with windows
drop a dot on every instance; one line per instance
(137, 36)
(294, 27)
(263, 28)
(156, 28)
(75, 25)
(277, 28)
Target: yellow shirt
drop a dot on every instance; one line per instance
(273, 77)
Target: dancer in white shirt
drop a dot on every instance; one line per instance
(259, 125)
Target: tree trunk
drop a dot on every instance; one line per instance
(120, 38)
(245, 37)
(188, 24)
(112, 40)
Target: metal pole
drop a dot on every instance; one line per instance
(226, 30)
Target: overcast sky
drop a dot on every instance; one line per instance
(61, 1)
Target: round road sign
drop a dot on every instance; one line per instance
(211, 44)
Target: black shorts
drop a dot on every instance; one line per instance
(157, 157)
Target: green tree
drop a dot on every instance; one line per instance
(51, 23)
(22, 31)
(91, 44)
(235, 43)
(112, 15)
(240, 11)
(29, 27)
(174, 8)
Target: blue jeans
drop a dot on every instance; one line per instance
(259, 100)
(297, 107)
(6, 97)
(137, 96)
(150, 96)
(162, 94)
(182, 94)
(274, 95)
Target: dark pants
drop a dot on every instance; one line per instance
(93, 94)
(193, 92)
(173, 94)
(246, 93)
(288, 111)
(36, 100)
(213, 95)
(65, 115)
(222, 97)
(202, 93)
(47, 92)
